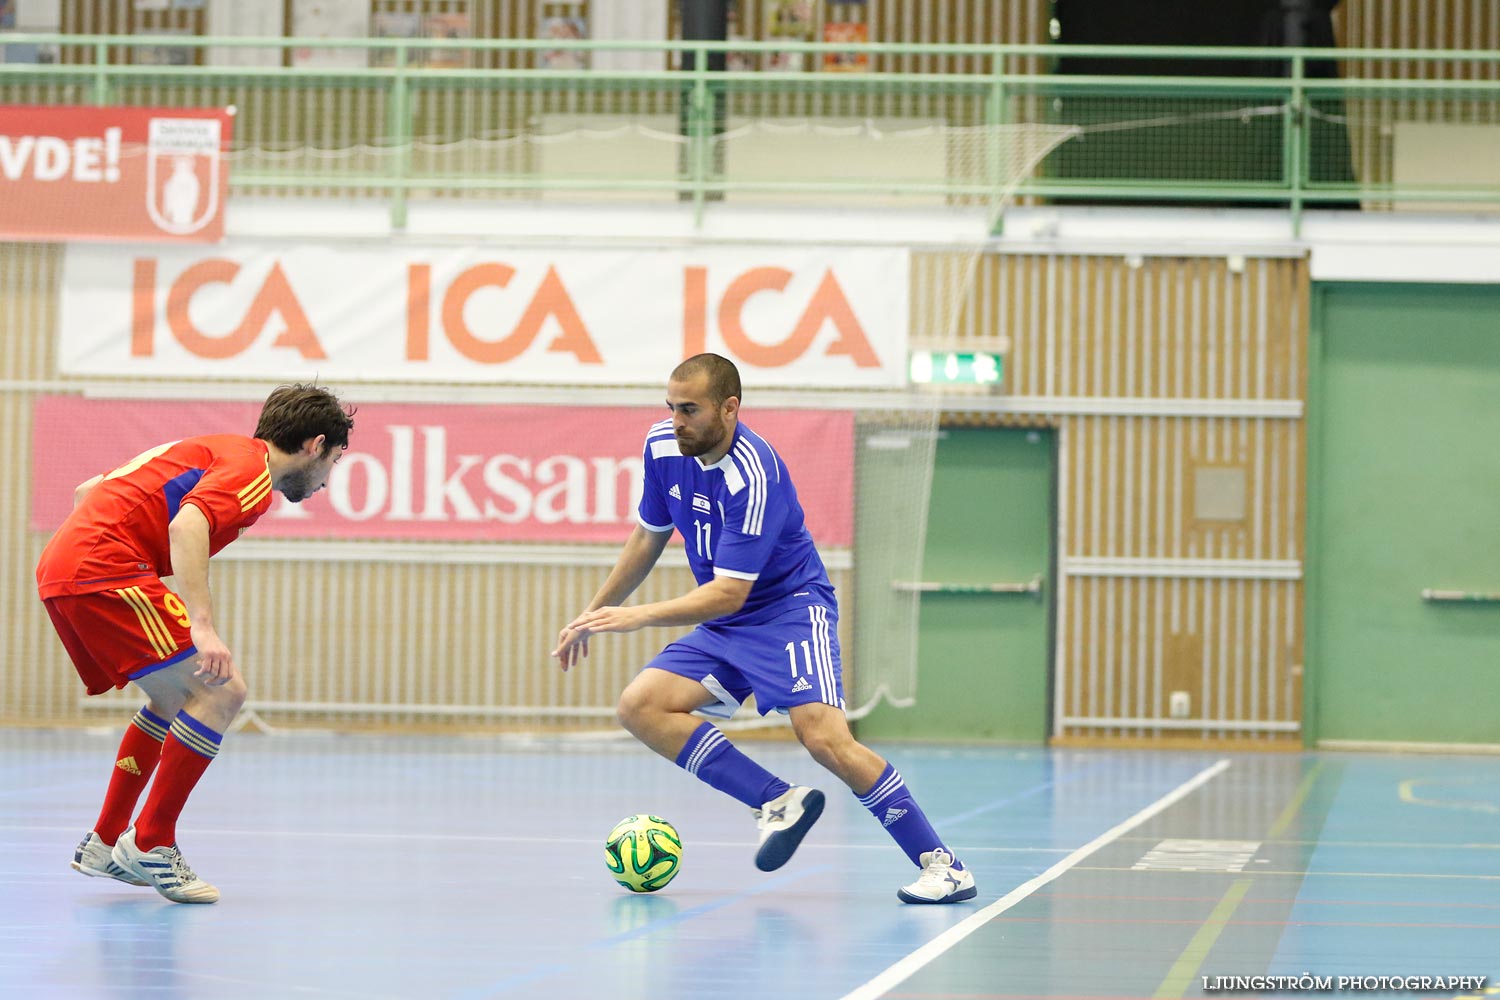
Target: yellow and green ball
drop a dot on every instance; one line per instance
(643, 853)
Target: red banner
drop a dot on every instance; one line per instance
(78, 173)
(446, 473)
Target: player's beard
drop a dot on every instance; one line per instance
(707, 441)
(296, 485)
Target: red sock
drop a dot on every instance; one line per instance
(188, 750)
(139, 751)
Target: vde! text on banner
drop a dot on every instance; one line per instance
(76, 173)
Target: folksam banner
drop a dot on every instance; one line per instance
(480, 473)
(788, 316)
(118, 174)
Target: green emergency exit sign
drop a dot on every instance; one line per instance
(956, 367)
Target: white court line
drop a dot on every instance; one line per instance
(912, 963)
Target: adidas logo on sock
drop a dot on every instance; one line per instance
(801, 685)
(674, 492)
(892, 814)
(128, 764)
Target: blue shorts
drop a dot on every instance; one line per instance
(791, 660)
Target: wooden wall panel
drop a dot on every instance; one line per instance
(1418, 24)
(1156, 370)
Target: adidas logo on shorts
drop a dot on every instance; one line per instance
(801, 685)
(892, 814)
(674, 492)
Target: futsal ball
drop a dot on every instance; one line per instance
(643, 853)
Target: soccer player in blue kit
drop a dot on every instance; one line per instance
(767, 623)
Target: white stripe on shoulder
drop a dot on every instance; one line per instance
(755, 473)
(775, 458)
(732, 477)
(665, 448)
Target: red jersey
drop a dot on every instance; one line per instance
(119, 532)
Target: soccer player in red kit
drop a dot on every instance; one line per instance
(164, 513)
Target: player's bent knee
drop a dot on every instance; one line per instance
(229, 696)
(632, 708)
(822, 743)
(829, 742)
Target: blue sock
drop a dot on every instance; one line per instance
(891, 804)
(716, 761)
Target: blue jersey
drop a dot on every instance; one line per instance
(740, 518)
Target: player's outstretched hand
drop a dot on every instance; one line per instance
(215, 662)
(572, 646)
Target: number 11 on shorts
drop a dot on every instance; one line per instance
(791, 655)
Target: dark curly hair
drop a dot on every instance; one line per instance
(294, 413)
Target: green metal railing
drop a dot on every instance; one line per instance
(399, 129)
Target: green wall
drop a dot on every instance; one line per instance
(1404, 494)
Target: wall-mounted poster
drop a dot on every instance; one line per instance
(162, 55)
(793, 21)
(314, 19)
(739, 61)
(790, 19)
(846, 62)
(28, 53)
(395, 24)
(447, 26)
(784, 62)
(564, 29)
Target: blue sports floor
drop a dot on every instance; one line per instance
(374, 868)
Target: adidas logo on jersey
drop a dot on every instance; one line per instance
(801, 685)
(128, 764)
(674, 492)
(891, 815)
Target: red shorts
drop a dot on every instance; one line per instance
(116, 636)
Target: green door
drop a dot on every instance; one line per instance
(1405, 497)
(983, 666)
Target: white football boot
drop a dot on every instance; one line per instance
(783, 822)
(164, 869)
(939, 882)
(93, 859)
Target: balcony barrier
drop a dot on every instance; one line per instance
(408, 119)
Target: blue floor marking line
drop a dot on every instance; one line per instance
(546, 971)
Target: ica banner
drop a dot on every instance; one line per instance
(121, 174)
(447, 473)
(788, 316)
